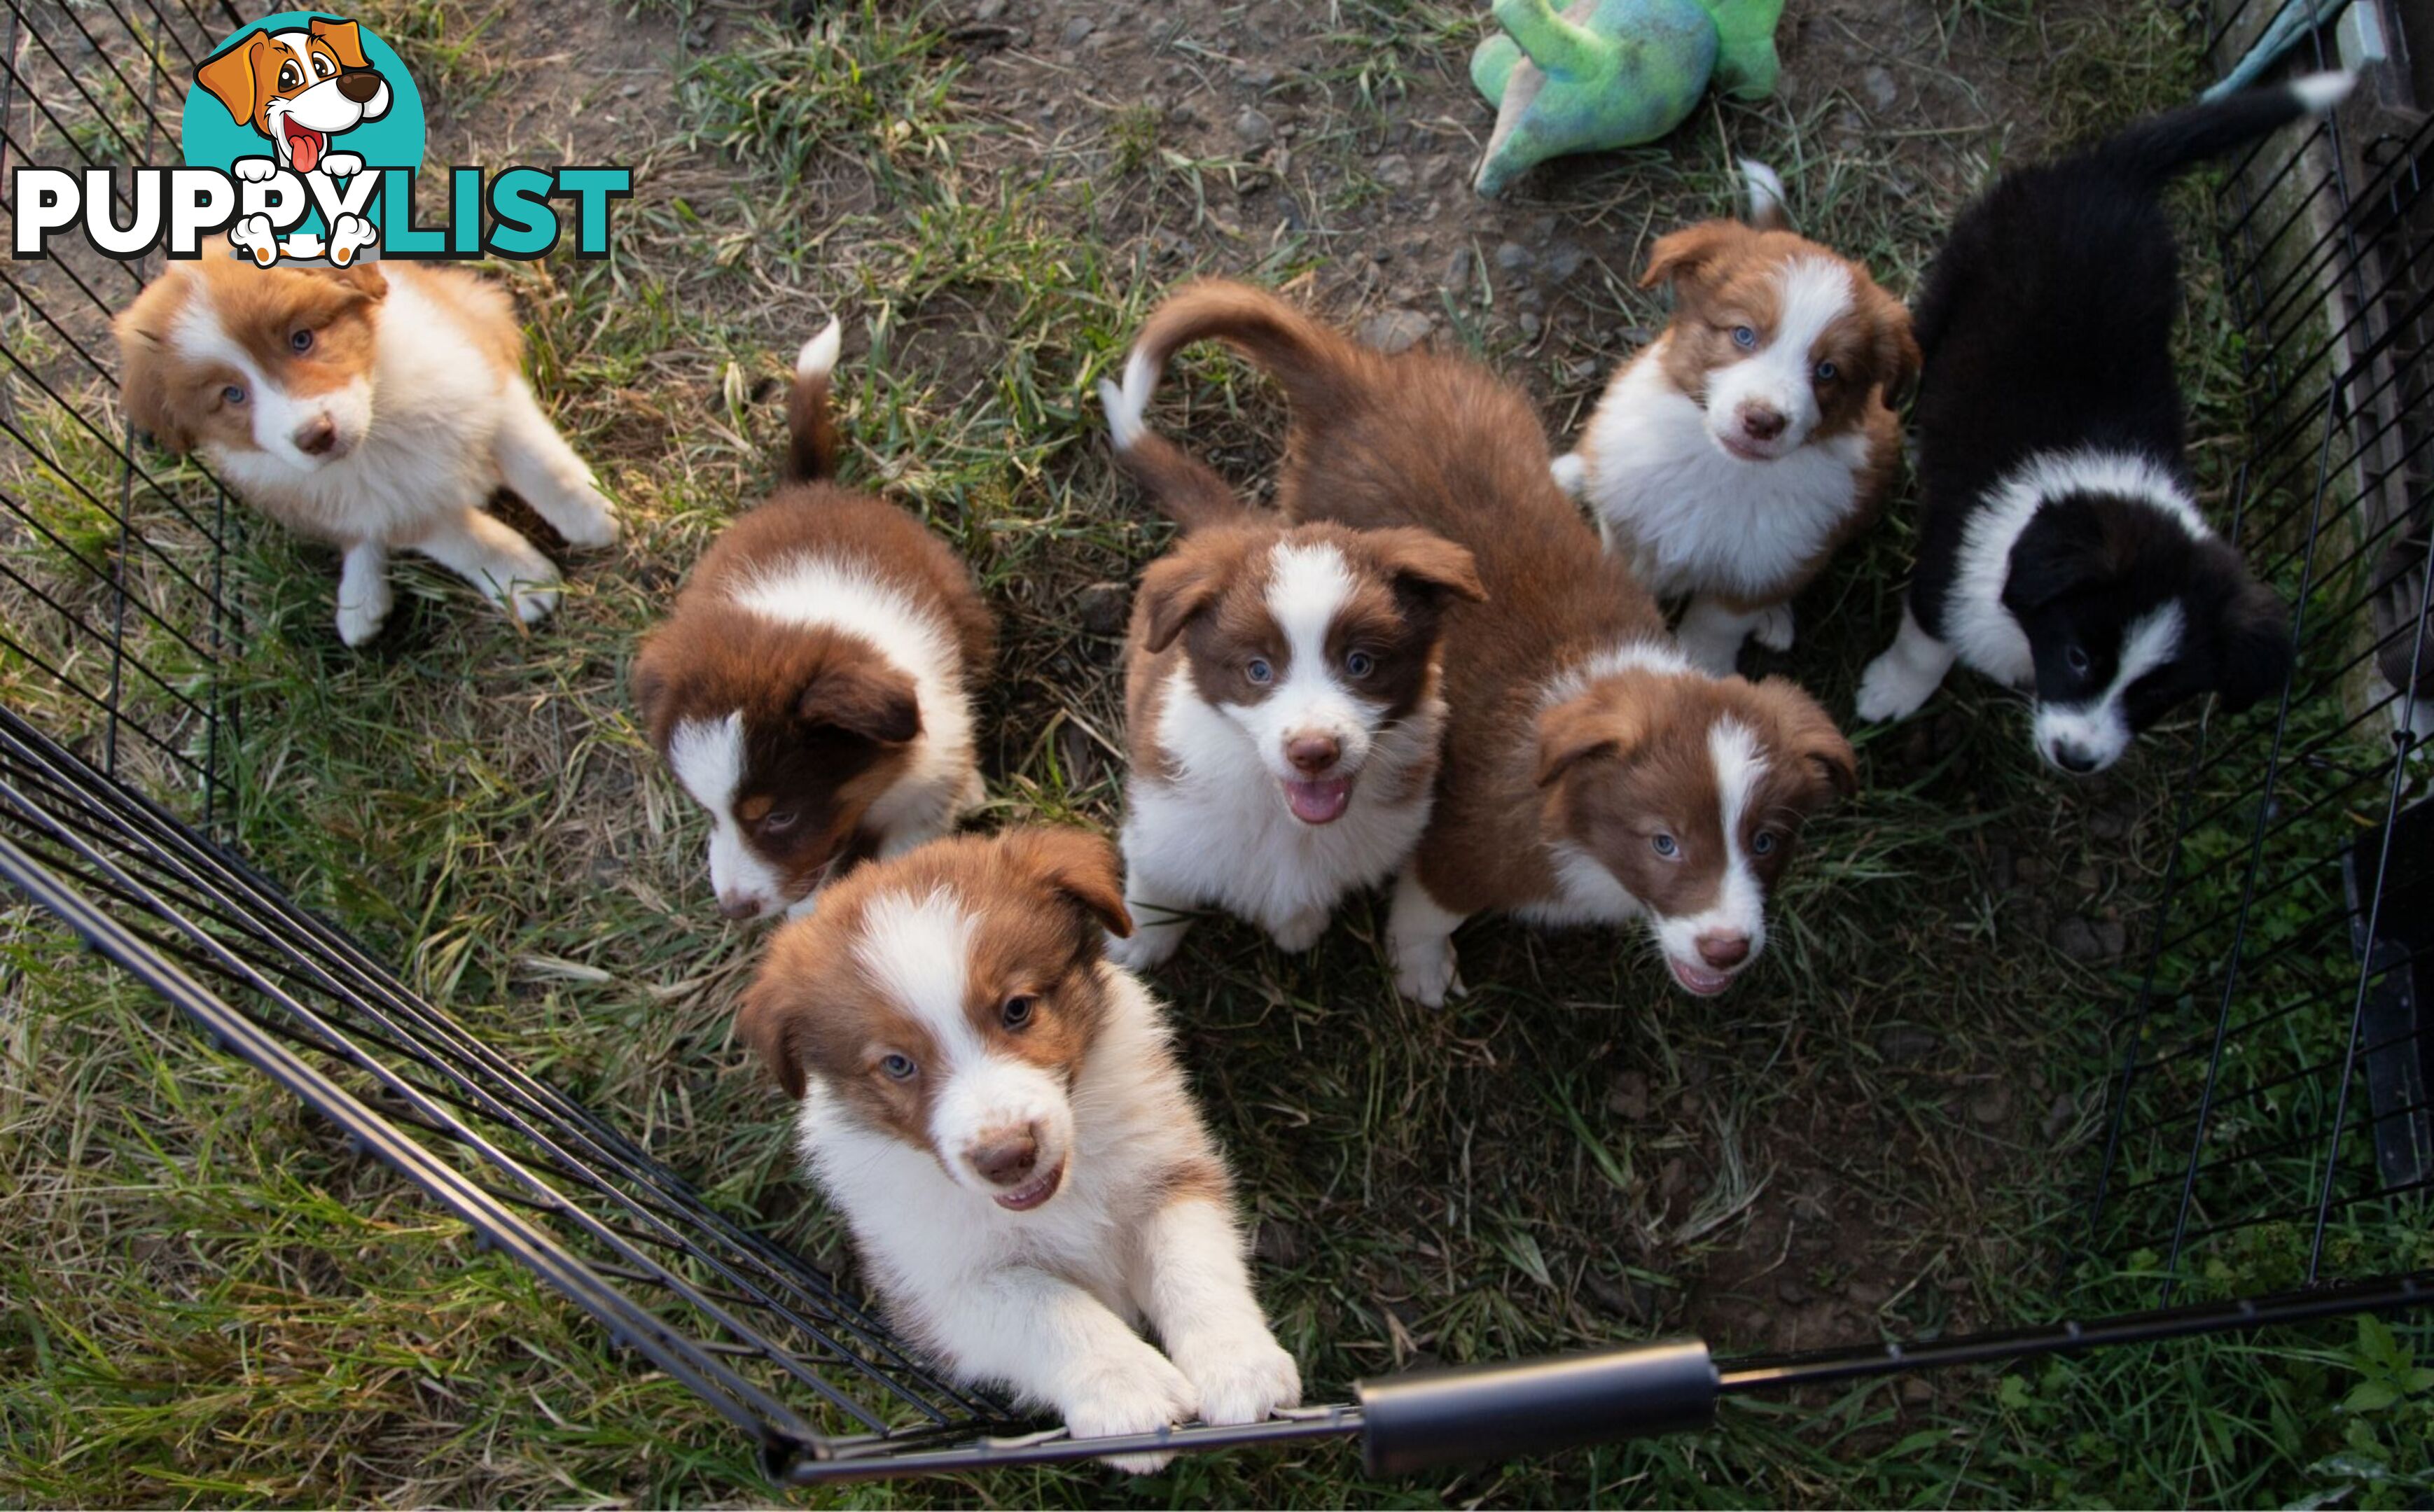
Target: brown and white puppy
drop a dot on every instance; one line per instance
(813, 688)
(995, 1111)
(376, 407)
(1283, 707)
(1591, 775)
(1734, 456)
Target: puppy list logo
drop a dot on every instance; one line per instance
(303, 138)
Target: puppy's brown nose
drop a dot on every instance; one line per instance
(359, 85)
(316, 438)
(1763, 422)
(1312, 754)
(1007, 1157)
(738, 908)
(1723, 951)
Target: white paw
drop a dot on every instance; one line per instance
(593, 518)
(340, 164)
(350, 233)
(533, 604)
(1147, 948)
(255, 170)
(1301, 932)
(1774, 629)
(360, 621)
(1424, 972)
(254, 237)
(1243, 1375)
(1138, 1393)
(1888, 690)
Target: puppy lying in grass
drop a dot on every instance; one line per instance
(995, 1109)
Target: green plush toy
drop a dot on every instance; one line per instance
(1612, 73)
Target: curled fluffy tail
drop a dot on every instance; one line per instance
(2155, 150)
(1315, 367)
(811, 435)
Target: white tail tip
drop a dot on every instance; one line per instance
(2320, 92)
(818, 357)
(1124, 426)
(1766, 198)
(1572, 474)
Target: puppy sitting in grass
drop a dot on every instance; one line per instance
(1283, 702)
(995, 1111)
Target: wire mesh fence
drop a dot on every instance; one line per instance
(2269, 1144)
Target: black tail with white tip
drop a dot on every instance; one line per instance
(2156, 151)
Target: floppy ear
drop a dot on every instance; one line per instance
(1687, 258)
(2063, 551)
(1572, 733)
(345, 38)
(1898, 356)
(651, 690)
(1809, 735)
(365, 278)
(1174, 591)
(232, 77)
(142, 393)
(1080, 865)
(878, 703)
(767, 1019)
(1431, 563)
(2255, 631)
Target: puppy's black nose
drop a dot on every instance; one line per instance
(2072, 758)
(1006, 1158)
(359, 85)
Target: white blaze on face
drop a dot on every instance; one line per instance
(2091, 735)
(1740, 905)
(276, 417)
(1308, 586)
(918, 951)
(1813, 292)
(706, 756)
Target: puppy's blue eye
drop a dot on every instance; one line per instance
(1744, 337)
(1258, 671)
(897, 1066)
(1826, 373)
(1359, 664)
(2076, 659)
(301, 341)
(1763, 844)
(1665, 845)
(232, 394)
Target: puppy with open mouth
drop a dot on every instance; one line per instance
(995, 1109)
(1283, 704)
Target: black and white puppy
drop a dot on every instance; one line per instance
(2061, 547)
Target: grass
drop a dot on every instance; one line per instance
(1887, 1132)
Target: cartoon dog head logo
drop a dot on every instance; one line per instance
(300, 88)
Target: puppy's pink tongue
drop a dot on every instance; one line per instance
(1319, 803)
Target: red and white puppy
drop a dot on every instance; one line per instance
(813, 688)
(1283, 704)
(995, 1111)
(1734, 456)
(375, 407)
(1590, 774)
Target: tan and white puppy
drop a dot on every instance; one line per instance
(1591, 774)
(995, 1111)
(375, 407)
(813, 688)
(1283, 706)
(1734, 456)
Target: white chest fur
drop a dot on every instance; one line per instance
(1694, 520)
